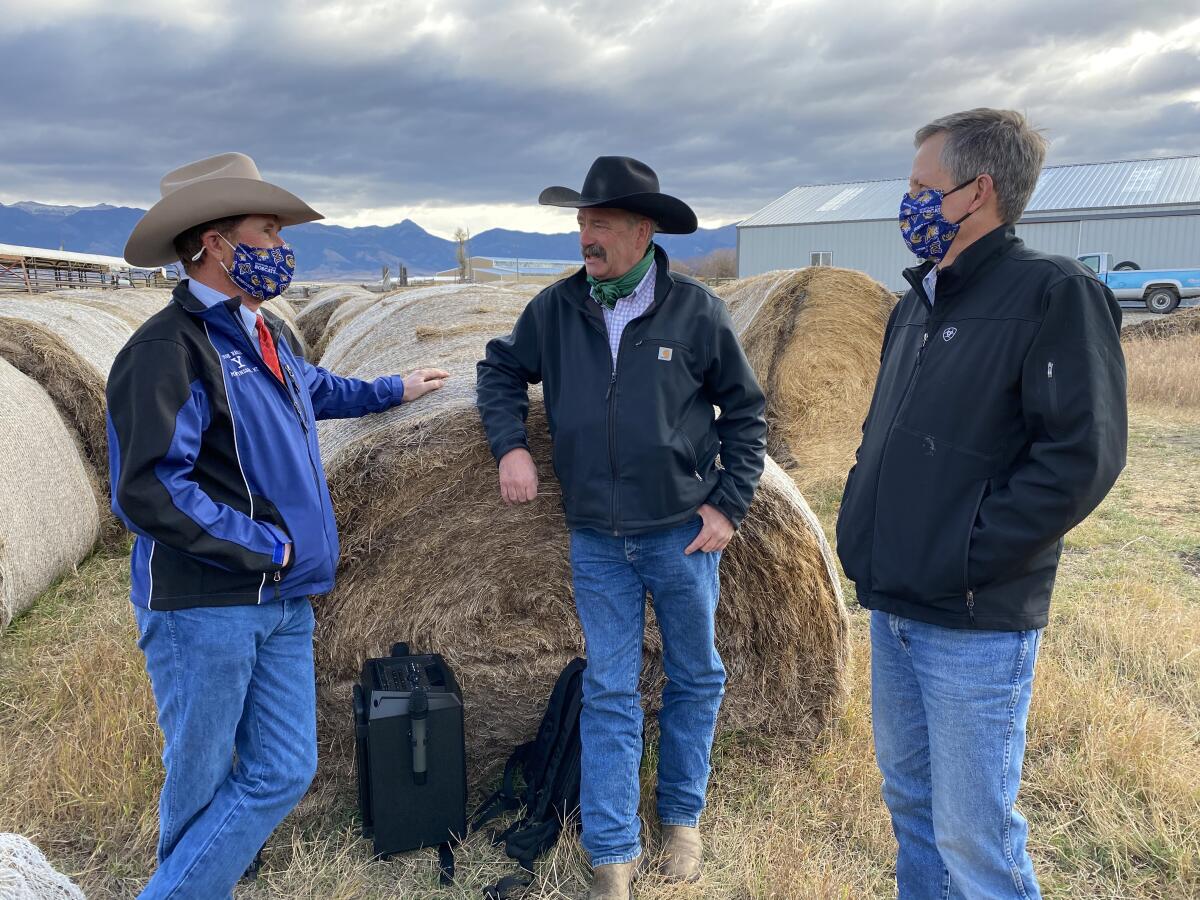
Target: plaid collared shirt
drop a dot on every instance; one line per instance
(628, 309)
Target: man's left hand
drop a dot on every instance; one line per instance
(715, 534)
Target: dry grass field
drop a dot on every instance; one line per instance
(1112, 785)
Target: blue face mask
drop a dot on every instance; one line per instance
(262, 272)
(927, 233)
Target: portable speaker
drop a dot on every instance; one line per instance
(410, 752)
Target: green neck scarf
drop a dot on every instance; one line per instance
(610, 290)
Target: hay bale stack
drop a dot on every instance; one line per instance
(1183, 322)
(317, 312)
(49, 519)
(432, 556)
(813, 337)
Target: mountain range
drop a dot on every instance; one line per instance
(326, 252)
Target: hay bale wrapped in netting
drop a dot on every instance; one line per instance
(132, 305)
(291, 318)
(813, 337)
(317, 312)
(432, 556)
(346, 313)
(26, 874)
(1183, 322)
(50, 518)
(68, 348)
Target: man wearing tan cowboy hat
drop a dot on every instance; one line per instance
(632, 358)
(212, 429)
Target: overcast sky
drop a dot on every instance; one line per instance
(456, 113)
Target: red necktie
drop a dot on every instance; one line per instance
(270, 357)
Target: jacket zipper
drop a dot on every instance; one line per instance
(1053, 387)
(295, 384)
(298, 410)
(695, 459)
(611, 399)
(912, 379)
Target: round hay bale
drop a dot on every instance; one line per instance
(95, 333)
(68, 347)
(49, 519)
(281, 307)
(345, 313)
(431, 555)
(1162, 328)
(132, 305)
(813, 338)
(316, 314)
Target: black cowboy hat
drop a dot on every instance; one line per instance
(621, 182)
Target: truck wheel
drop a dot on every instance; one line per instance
(1127, 266)
(1161, 299)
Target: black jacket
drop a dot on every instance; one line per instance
(635, 449)
(998, 423)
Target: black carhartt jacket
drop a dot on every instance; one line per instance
(635, 447)
(998, 423)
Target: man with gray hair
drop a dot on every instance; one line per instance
(632, 358)
(998, 423)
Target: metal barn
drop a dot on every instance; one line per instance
(1144, 210)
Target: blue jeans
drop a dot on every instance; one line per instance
(949, 708)
(611, 576)
(226, 678)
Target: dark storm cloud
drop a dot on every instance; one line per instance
(379, 105)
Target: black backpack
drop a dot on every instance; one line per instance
(549, 766)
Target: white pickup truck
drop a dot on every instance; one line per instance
(1159, 289)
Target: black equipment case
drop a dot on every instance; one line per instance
(410, 753)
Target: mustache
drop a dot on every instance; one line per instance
(591, 251)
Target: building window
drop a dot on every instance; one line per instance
(821, 258)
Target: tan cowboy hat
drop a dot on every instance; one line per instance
(224, 185)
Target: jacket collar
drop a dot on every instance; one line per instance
(222, 316)
(972, 262)
(580, 293)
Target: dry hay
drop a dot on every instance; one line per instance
(346, 312)
(316, 314)
(1161, 328)
(49, 519)
(813, 338)
(290, 316)
(68, 348)
(132, 305)
(430, 555)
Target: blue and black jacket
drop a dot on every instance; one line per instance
(214, 462)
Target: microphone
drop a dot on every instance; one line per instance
(418, 710)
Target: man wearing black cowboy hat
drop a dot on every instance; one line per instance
(633, 358)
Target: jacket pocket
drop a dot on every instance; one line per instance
(928, 498)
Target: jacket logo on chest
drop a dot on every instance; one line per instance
(949, 333)
(237, 365)
(664, 354)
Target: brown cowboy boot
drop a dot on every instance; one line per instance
(614, 881)
(682, 852)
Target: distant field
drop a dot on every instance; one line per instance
(1112, 786)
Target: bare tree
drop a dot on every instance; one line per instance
(720, 263)
(463, 253)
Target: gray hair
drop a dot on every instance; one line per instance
(636, 219)
(995, 142)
